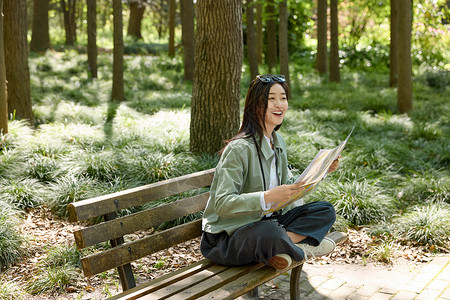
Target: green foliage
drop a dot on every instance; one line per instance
(62, 256)
(10, 240)
(10, 290)
(360, 203)
(22, 193)
(429, 187)
(427, 224)
(68, 189)
(52, 279)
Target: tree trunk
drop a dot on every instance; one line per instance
(3, 98)
(217, 74)
(335, 75)
(321, 59)
(259, 32)
(251, 40)
(117, 85)
(40, 38)
(404, 96)
(271, 36)
(393, 51)
(92, 37)
(283, 40)
(188, 37)
(16, 50)
(69, 21)
(172, 11)
(137, 9)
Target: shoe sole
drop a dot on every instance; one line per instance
(278, 263)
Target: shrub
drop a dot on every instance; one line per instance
(360, 203)
(52, 279)
(10, 240)
(21, 193)
(428, 187)
(10, 290)
(70, 189)
(428, 224)
(63, 256)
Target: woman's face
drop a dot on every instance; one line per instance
(277, 106)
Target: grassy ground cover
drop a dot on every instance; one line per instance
(394, 178)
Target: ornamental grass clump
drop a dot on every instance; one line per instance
(52, 279)
(22, 193)
(10, 240)
(429, 224)
(429, 187)
(68, 189)
(9, 290)
(360, 203)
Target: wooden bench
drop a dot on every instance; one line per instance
(201, 280)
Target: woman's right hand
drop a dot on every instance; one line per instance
(282, 193)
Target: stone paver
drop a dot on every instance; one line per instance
(428, 281)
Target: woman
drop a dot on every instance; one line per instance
(252, 176)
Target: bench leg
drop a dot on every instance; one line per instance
(295, 282)
(253, 293)
(125, 272)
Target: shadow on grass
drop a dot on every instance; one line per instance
(111, 113)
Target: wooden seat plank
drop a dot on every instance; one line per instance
(164, 280)
(144, 220)
(129, 252)
(215, 282)
(102, 205)
(246, 283)
(195, 279)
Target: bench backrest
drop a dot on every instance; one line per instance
(114, 228)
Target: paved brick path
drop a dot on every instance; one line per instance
(426, 281)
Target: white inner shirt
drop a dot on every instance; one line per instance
(273, 181)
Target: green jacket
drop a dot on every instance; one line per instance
(235, 191)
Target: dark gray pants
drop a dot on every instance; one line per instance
(259, 241)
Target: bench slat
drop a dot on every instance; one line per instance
(214, 283)
(246, 283)
(129, 252)
(144, 220)
(164, 280)
(102, 205)
(193, 280)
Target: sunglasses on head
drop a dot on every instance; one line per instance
(271, 78)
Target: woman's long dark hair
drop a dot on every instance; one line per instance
(255, 110)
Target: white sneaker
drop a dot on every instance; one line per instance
(280, 261)
(325, 247)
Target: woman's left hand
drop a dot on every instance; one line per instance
(334, 165)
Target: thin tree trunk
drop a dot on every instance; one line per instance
(251, 41)
(188, 37)
(259, 32)
(172, 11)
(271, 36)
(393, 48)
(137, 9)
(404, 96)
(117, 85)
(217, 74)
(40, 38)
(16, 50)
(69, 21)
(335, 75)
(3, 95)
(283, 40)
(92, 37)
(321, 59)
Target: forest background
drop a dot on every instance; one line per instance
(78, 123)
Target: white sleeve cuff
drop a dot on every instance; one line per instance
(262, 201)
